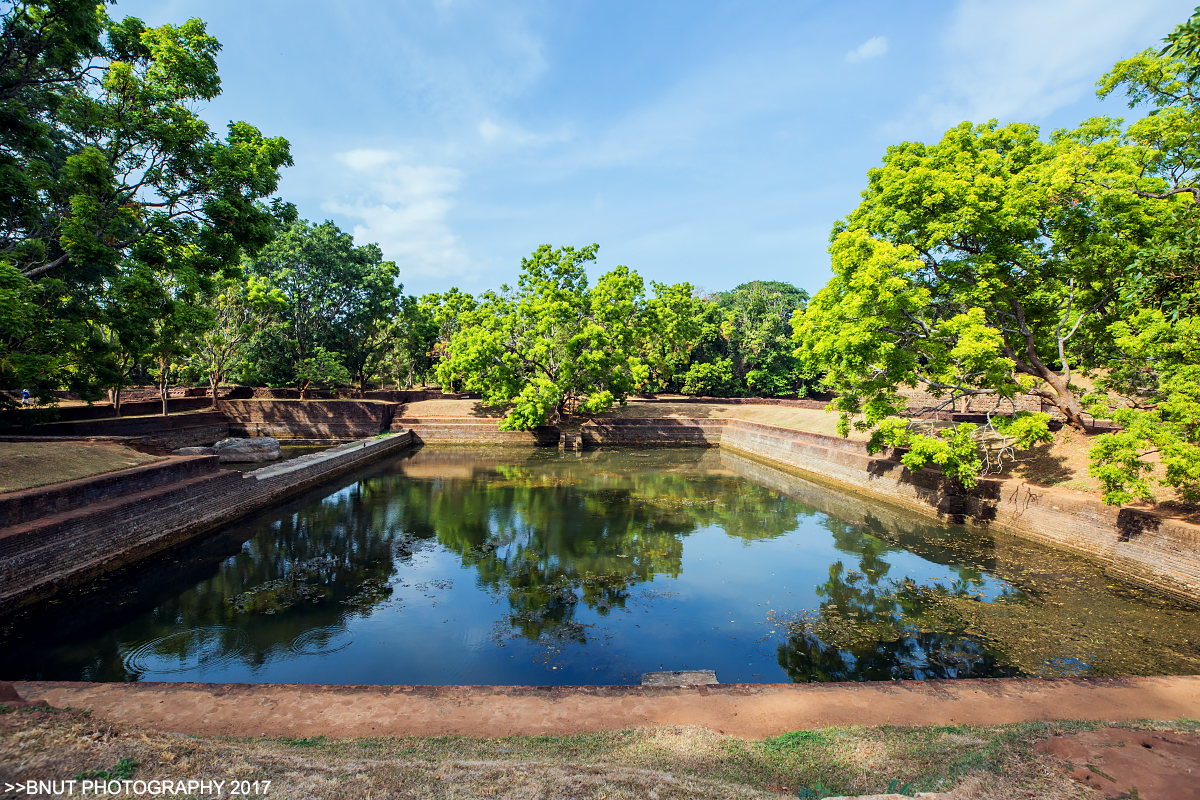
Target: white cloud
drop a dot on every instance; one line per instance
(489, 130)
(367, 160)
(1024, 59)
(404, 207)
(871, 48)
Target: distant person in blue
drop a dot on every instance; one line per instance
(25, 399)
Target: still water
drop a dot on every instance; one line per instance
(457, 566)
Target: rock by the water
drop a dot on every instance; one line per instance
(258, 448)
(194, 451)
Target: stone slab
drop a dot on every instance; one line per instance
(685, 677)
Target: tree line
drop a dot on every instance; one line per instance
(139, 244)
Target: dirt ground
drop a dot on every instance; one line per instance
(755, 711)
(1116, 762)
(999, 762)
(26, 465)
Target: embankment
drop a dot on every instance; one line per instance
(308, 419)
(752, 710)
(60, 536)
(1137, 545)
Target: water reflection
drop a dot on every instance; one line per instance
(452, 565)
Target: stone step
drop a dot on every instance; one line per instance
(43, 501)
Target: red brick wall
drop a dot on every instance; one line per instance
(307, 419)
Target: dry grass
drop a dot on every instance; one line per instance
(659, 763)
(26, 465)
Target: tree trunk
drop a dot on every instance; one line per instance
(1066, 402)
(164, 382)
(115, 394)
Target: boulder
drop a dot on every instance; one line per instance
(258, 448)
(194, 451)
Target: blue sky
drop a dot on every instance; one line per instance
(710, 142)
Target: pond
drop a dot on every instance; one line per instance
(468, 566)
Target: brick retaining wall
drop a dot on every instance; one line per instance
(387, 395)
(308, 419)
(42, 556)
(31, 504)
(793, 402)
(476, 430)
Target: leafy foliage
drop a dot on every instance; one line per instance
(322, 367)
(336, 296)
(112, 180)
(551, 347)
(1154, 369)
(1162, 416)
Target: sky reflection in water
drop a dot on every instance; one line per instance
(452, 566)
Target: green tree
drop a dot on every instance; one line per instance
(552, 347)
(673, 326)
(1154, 368)
(135, 301)
(338, 296)
(321, 367)
(238, 310)
(175, 331)
(1159, 377)
(446, 310)
(987, 264)
(758, 326)
(412, 339)
(111, 171)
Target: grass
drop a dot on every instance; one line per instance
(27, 465)
(659, 763)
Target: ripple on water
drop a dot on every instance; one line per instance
(319, 641)
(206, 647)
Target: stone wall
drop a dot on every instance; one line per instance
(472, 430)
(921, 403)
(308, 419)
(664, 432)
(17, 418)
(386, 395)
(816, 401)
(32, 504)
(124, 524)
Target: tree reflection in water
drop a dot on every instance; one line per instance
(869, 627)
(550, 536)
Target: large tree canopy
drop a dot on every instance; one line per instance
(108, 172)
(984, 264)
(336, 296)
(552, 346)
(1153, 371)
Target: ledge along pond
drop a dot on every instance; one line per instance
(537, 567)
